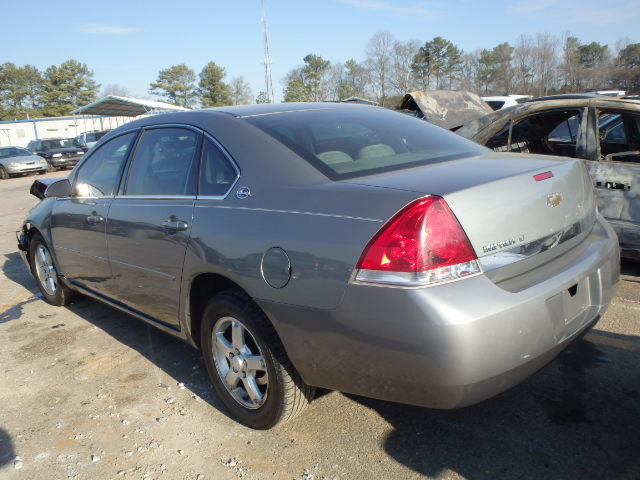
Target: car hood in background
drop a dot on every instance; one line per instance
(22, 159)
(445, 108)
(64, 150)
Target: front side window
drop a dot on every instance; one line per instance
(99, 174)
(163, 162)
(553, 132)
(345, 143)
(216, 172)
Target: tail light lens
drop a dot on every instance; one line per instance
(421, 245)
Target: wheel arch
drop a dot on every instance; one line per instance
(202, 289)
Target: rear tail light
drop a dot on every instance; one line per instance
(421, 245)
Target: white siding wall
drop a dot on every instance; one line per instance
(20, 133)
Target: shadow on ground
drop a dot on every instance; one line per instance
(175, 357)
(7, 454)
(578, 418)
(15, 269)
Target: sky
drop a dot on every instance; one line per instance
(128, 42)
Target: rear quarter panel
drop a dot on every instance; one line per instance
(322, 228)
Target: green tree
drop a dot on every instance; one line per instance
(571, 67)
(438, 59)
(20, 90)
(67, 87)
(592, 54)
(308, 83)
(627, 74)
(453, 64)
(504, 75)
(487, 69)
(263, 98)
(212, 90)
(437, 63)
(313, 73)
(421, 66)
(295, 89)
(353, 82)
(176, 84)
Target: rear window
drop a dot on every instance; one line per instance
(346, 144)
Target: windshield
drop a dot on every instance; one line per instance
(345, 144)
(14, 152)
(57, 143)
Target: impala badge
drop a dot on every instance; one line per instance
(554, 199)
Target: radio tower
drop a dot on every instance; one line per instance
(267, 56)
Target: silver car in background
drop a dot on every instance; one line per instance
(330, 245)
(18, 161)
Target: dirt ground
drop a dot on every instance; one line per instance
(89, 393)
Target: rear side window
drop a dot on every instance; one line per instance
(619, 134)
(162, 163)
(99, 174)
(346, 144)
(216, 172)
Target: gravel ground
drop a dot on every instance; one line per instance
(89, 393)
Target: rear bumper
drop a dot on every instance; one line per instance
(454, 344)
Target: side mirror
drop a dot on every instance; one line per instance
(61, 188)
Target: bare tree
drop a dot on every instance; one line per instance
(241, 93)
(379, 63)
(469, 79)
(402, 54)
(113, 89)
(523, 64)
(545, 62)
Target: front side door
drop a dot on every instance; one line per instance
(78, 222)
(556, 131)
(150, 222)
(615, 171)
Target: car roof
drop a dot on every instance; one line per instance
(272, 108)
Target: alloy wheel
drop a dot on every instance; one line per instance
(45, 270)
(240, 363)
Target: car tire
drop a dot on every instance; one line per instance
(53, 289)
(247, 364)
(51, 168)
(41, 172)
(4, 175)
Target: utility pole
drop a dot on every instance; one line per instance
(267, 56)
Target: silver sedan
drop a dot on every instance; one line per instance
(330, 245)
(18, 160)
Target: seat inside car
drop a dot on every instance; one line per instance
(334, 156)
(376, 150)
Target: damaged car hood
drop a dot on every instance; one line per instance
(445, 108)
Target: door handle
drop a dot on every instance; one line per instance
(95, 219)
(177, 225)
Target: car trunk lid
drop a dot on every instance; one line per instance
(511, 207)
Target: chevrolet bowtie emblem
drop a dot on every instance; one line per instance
(554, 199)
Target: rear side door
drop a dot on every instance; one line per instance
(150, 222)
(78, 222)
(616, 171)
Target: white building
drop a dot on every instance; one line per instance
(105, 114)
